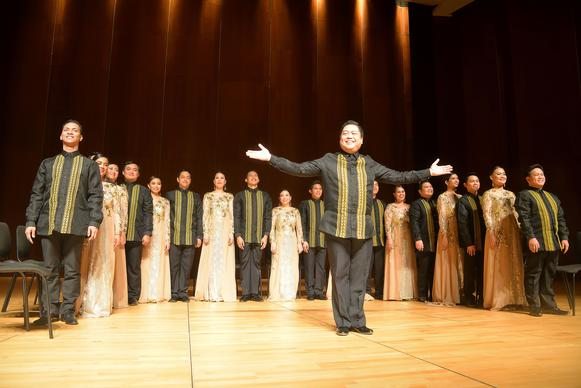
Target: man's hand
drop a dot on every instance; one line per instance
(564, 246)
(436, 170)
(30, 233)
(263, 242)
(240, 242)
(305, 247)
(145, 240)
(92, 232)
(420, 245)
(263, 154)
(471, 250)
(534, 245)
(198, 243)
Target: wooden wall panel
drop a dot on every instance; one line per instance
(136, 91)
(190, 139)
(80, 71)
(243, 106)
(25, 88)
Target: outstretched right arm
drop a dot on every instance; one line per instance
(306, 169)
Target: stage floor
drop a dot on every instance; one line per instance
(294, 344)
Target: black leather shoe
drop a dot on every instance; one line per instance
(172, 300)
(69, 319)
(555, 311)
(133, 302)
(257, 298)
(321, 297)
(535, 312)
(422, 299)
(185, 299)
(244, 298)
(310, 297)
(43, 321)
(362, 330)
(342, 331)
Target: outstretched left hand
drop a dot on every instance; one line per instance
(436, 170)
(263, 154)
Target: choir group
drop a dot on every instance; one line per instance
(497, 250)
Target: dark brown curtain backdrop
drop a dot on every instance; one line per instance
(192, 84)
(499, 84)
(177, 84)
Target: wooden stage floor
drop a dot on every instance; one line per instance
(293, 344)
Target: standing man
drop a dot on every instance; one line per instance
(65, 208)
(377, 262)
(471, 234)
(542, 222)
(314, 252)
(186, 235)
(252, 218)
(424, 221)
(139, 228)
(348, 180)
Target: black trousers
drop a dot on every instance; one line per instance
(315, 273)
(66, 248)
(349, 259)
(473, 277)
(425, 262)
(133, 264)
(540, 270)
(377, 268)
(250, 275)
(181, 259)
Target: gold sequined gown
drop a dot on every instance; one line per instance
(155, 275)
(285, 236)
(400, 261)
(503, 262)
(216, 281)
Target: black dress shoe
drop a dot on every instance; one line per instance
(362, 330)
(555, 311)
(310, 297)
(185, 299)
(257, 298)
(244, 298)
(535, 312)
(43, 321)
(172, 300)
(133, 302)
(342, 331)
(69, 319)
(321, 297)
(422, 299)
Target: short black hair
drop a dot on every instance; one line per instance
(469, 174)
(532, 167)
(127, 163)
(421, 184)
(352, 122)
(315, 182)
(74, 122)
(184, 170)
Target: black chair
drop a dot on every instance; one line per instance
(23, 268)
(571, 269)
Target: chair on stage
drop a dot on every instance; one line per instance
(571, 270)
(21, 268)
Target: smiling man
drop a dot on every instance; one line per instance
(348, 180)
(65, 208)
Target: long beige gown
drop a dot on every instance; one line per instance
(155, 275)
(400, 261)
(97, 296)
(120, 297)
(285, 235)
(448, 272)
(503, 262)
(216, 280)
